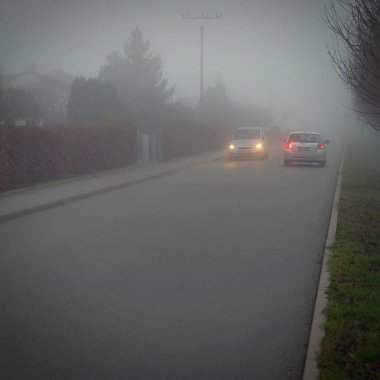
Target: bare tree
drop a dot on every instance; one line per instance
(356, 55)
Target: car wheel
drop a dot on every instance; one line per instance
(322, 163)
(286, 163)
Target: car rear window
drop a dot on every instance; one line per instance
(305, 138)
(241, 134)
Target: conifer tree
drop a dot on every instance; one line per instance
(138, 76)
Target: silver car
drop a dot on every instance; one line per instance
(248, 142)
(307, 147)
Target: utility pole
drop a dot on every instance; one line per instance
(202, 20)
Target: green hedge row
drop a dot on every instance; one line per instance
(33, 154)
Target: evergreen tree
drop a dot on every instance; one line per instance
(219, 109)
(143, 90)
(92, 100)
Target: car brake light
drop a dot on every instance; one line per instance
(321, 146)
(288, 145)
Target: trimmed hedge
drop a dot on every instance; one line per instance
(34, 154)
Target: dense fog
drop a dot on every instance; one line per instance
(269, 53)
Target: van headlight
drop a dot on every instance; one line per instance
(232, 146)
(259, 146)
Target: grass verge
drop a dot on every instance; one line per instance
(351, 346)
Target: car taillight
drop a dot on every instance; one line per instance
(321, 146)
(288, 145)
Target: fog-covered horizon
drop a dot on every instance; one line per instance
(270, 53)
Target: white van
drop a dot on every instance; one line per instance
(248, 142)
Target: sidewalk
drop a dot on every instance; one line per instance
(42, 196)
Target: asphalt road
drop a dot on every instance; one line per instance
(209, 273)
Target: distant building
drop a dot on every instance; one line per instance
(24, 79)
(29, 77)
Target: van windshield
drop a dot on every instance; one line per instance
(242, 134)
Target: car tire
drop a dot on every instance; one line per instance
(322, 163)
(286, 163)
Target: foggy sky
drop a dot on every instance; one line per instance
(269, 52)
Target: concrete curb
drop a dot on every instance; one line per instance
(311, 371)
(88, 194)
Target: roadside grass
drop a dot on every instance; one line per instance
(351, 346)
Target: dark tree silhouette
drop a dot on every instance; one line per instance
(220, 109)
(217, 106)
(143, 91)
(356, 24)
(92, 100)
